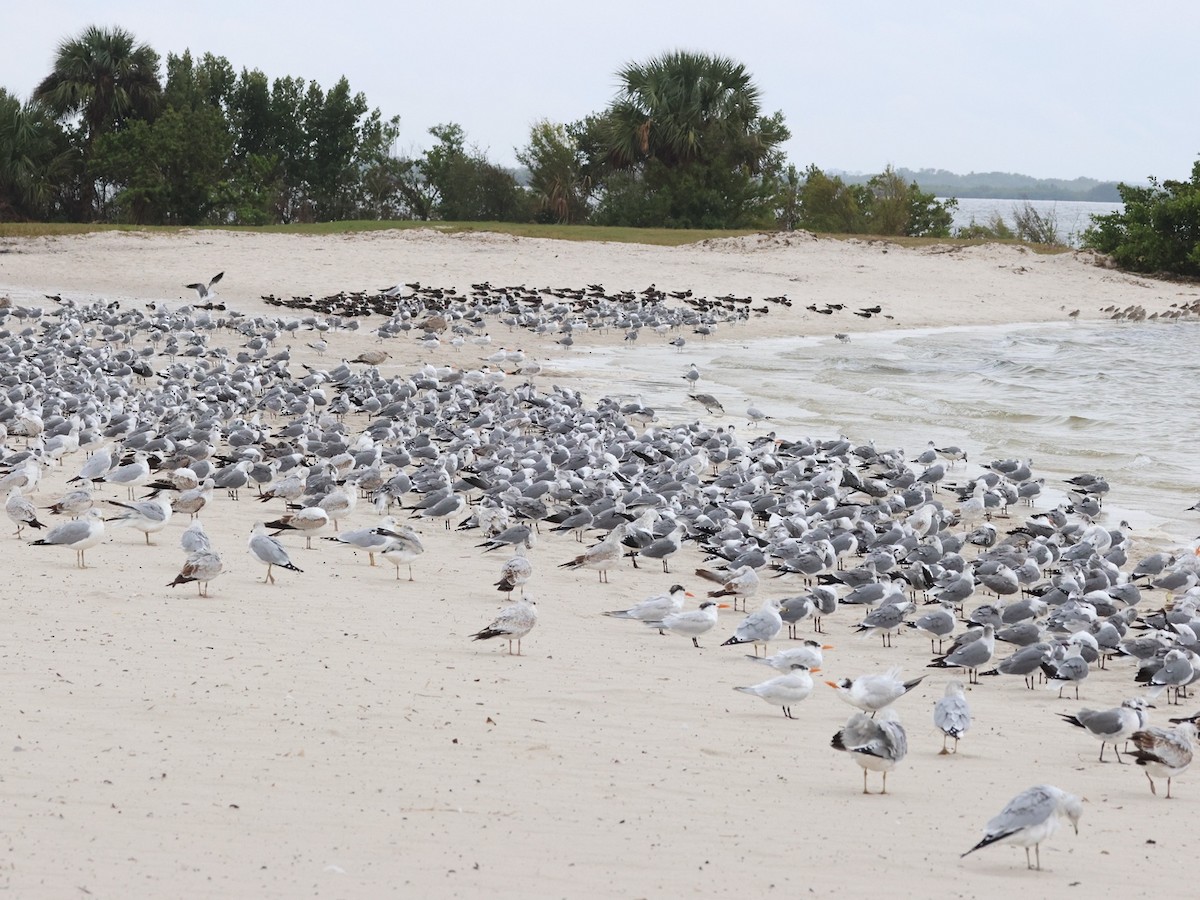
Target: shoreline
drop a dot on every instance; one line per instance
(340, 733)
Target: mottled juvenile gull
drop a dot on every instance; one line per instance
(512, 624)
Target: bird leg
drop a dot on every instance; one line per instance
(944, 751)
(884, 791)
(865, 791)
(695, 643)
(1153, 789)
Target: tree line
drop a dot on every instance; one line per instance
(112, 135)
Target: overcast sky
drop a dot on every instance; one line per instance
(1055, 88)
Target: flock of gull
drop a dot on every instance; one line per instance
(178, 412)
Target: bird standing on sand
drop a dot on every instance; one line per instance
(785, 690)
(872, 693)
(693, 623)
(147, 516)
(654, 609)
(875, 744)
(404, 546)
(514, 574)
(201, 567)
(951, 715)
(759, 627)
(79, 534)
(1165, 752)
(21, 511)
(1030, 818)
(512, 624)
(601, 556)
(307, 521)
(1111, 726)
(269, 551)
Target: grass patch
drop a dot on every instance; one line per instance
(661, 237)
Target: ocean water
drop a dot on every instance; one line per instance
(1072, 217)
(1117, 399)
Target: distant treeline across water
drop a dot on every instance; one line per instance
(1004, 186)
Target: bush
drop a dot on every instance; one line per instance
(1158, 231)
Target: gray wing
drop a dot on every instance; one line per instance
(952, 715)
(69, 532)
(269, 550)
(970, 655)
(1101, 722)
(1028, 808)
(758, 626)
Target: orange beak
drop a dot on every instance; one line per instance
(817, 669)
(832, 684)
(827, 646)
(688, 594)
(723, 606)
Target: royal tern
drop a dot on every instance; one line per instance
(654, 609)
(872, 693)
(693, 623)
(785, 690)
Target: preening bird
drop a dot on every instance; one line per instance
(877, 745)
(951, 715)
(1030, 818)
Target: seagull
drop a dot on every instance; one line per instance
(601, 556)
(691, 624)
(951, 715)
(21, 511)
(205, 291)
(371, 539)
(512, 624)
(654, 609)
(201, 567)
(1111, 726)
(872, 693)
(759, 627)
(513, 574)
(1030, 818)
(875, 744)
(742, 582)
(1071, 670)
(404, 545)
(268, 550)
(971, 656)
(147, 516)
(79, 534)
(784, 690)
(307, 521)
(1165, 752)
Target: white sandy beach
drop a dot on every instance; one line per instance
(339, 735)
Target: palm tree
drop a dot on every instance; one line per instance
(683, 107)
(33, 159)
(104, 77)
